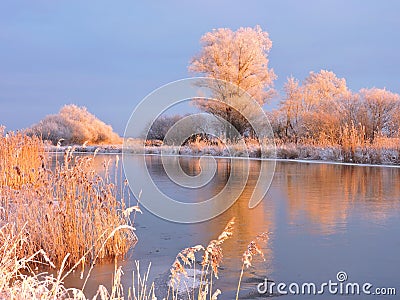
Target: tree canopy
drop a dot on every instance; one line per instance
(241, 59)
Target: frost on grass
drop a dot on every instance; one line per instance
(67, 208)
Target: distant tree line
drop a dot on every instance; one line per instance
(323, 110)
(320, 110)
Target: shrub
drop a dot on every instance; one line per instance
(75, 125)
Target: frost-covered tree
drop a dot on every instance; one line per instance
(75, 125)
(322, 89)
(379, 112)
(312, 110)
(291, 109)
(161, 125)
(322, 108)
(322, 93)
(241, 59)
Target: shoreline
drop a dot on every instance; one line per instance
(157, 151)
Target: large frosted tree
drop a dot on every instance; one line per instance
(241, 59)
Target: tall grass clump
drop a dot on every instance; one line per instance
(65, 209)
(19, 281)
(197, 282)
(19, 155)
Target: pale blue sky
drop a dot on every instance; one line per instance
(108, 55)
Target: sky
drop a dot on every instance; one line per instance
(108, 55)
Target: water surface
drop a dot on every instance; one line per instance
(323, 218)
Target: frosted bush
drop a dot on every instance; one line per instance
(75, 125)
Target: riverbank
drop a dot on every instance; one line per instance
(366, 155)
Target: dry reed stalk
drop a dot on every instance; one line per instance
(140, 290)
(253, 248)
(211, 258)
(213, 253)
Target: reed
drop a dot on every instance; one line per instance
(253, 249)
(20, 156)
(210, 262)
(20, 281)
(17, 278)
(64, 207)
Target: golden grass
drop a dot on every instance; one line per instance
(19, 156)
(19, 281)
(64, 209)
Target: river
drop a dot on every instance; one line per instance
(322, 219)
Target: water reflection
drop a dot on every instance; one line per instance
(326, 194)
(322, 218)
(249, 222)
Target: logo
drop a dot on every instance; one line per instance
(340, 286)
